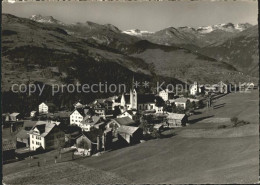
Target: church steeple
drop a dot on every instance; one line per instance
(133, 95)
(133, 81)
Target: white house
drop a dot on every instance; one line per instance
(158, 109)
(76, 117)
(194, 89)
(146, 106)
(46, 135)
(33, 113)
(181, 102)
(89, 122)
(164, 94)
(223, 88)
(46, 107)
(127, 113)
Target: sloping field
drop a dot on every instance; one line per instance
(62, 173)
(199, 153)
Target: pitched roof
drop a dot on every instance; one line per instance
(124, 121)
(92, 135)
(8, 145)
(29, 123)
(22, 134)
(180, 100)
(83, 111)
(49, 104)
(127, 129)
(157, 126)
(129, 112)
(175, 116)
(62, 114)
(92, 120)
(44, 127)
(14, 114)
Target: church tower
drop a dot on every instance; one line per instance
(133, 97)
(122, 102)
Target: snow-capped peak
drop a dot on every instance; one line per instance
(229, 27)
(136, 32)
(45, 19)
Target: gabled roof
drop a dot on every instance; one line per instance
(180, 100)
(44, 127)
(129, 112)
(127, 129)
(175, 116)
(124, 121)
(83, 111)
(157, 126)
(29, 123)
(14, 114)
(49, 104)
(92, 135)
(92, 120)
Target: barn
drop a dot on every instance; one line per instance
(176, 120)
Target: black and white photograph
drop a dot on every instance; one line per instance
(130, 92)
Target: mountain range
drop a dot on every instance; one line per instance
(45, 49)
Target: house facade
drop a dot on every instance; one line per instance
(181, 102)
(164, 94)
(76, 117)
(45, 108)
(194, 89)
(114, 124)
(46, 135)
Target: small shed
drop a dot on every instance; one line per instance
(129, 134)
(15, 116)
(176, 120)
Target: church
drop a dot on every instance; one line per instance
(129, 101)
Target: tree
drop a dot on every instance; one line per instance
(180, 110)
(155, 133)
(193, 105)
(144, 124)
(174, 108)
(199, 104)
(188, 105)
(234, 120)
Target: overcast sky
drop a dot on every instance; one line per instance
(150, 16)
